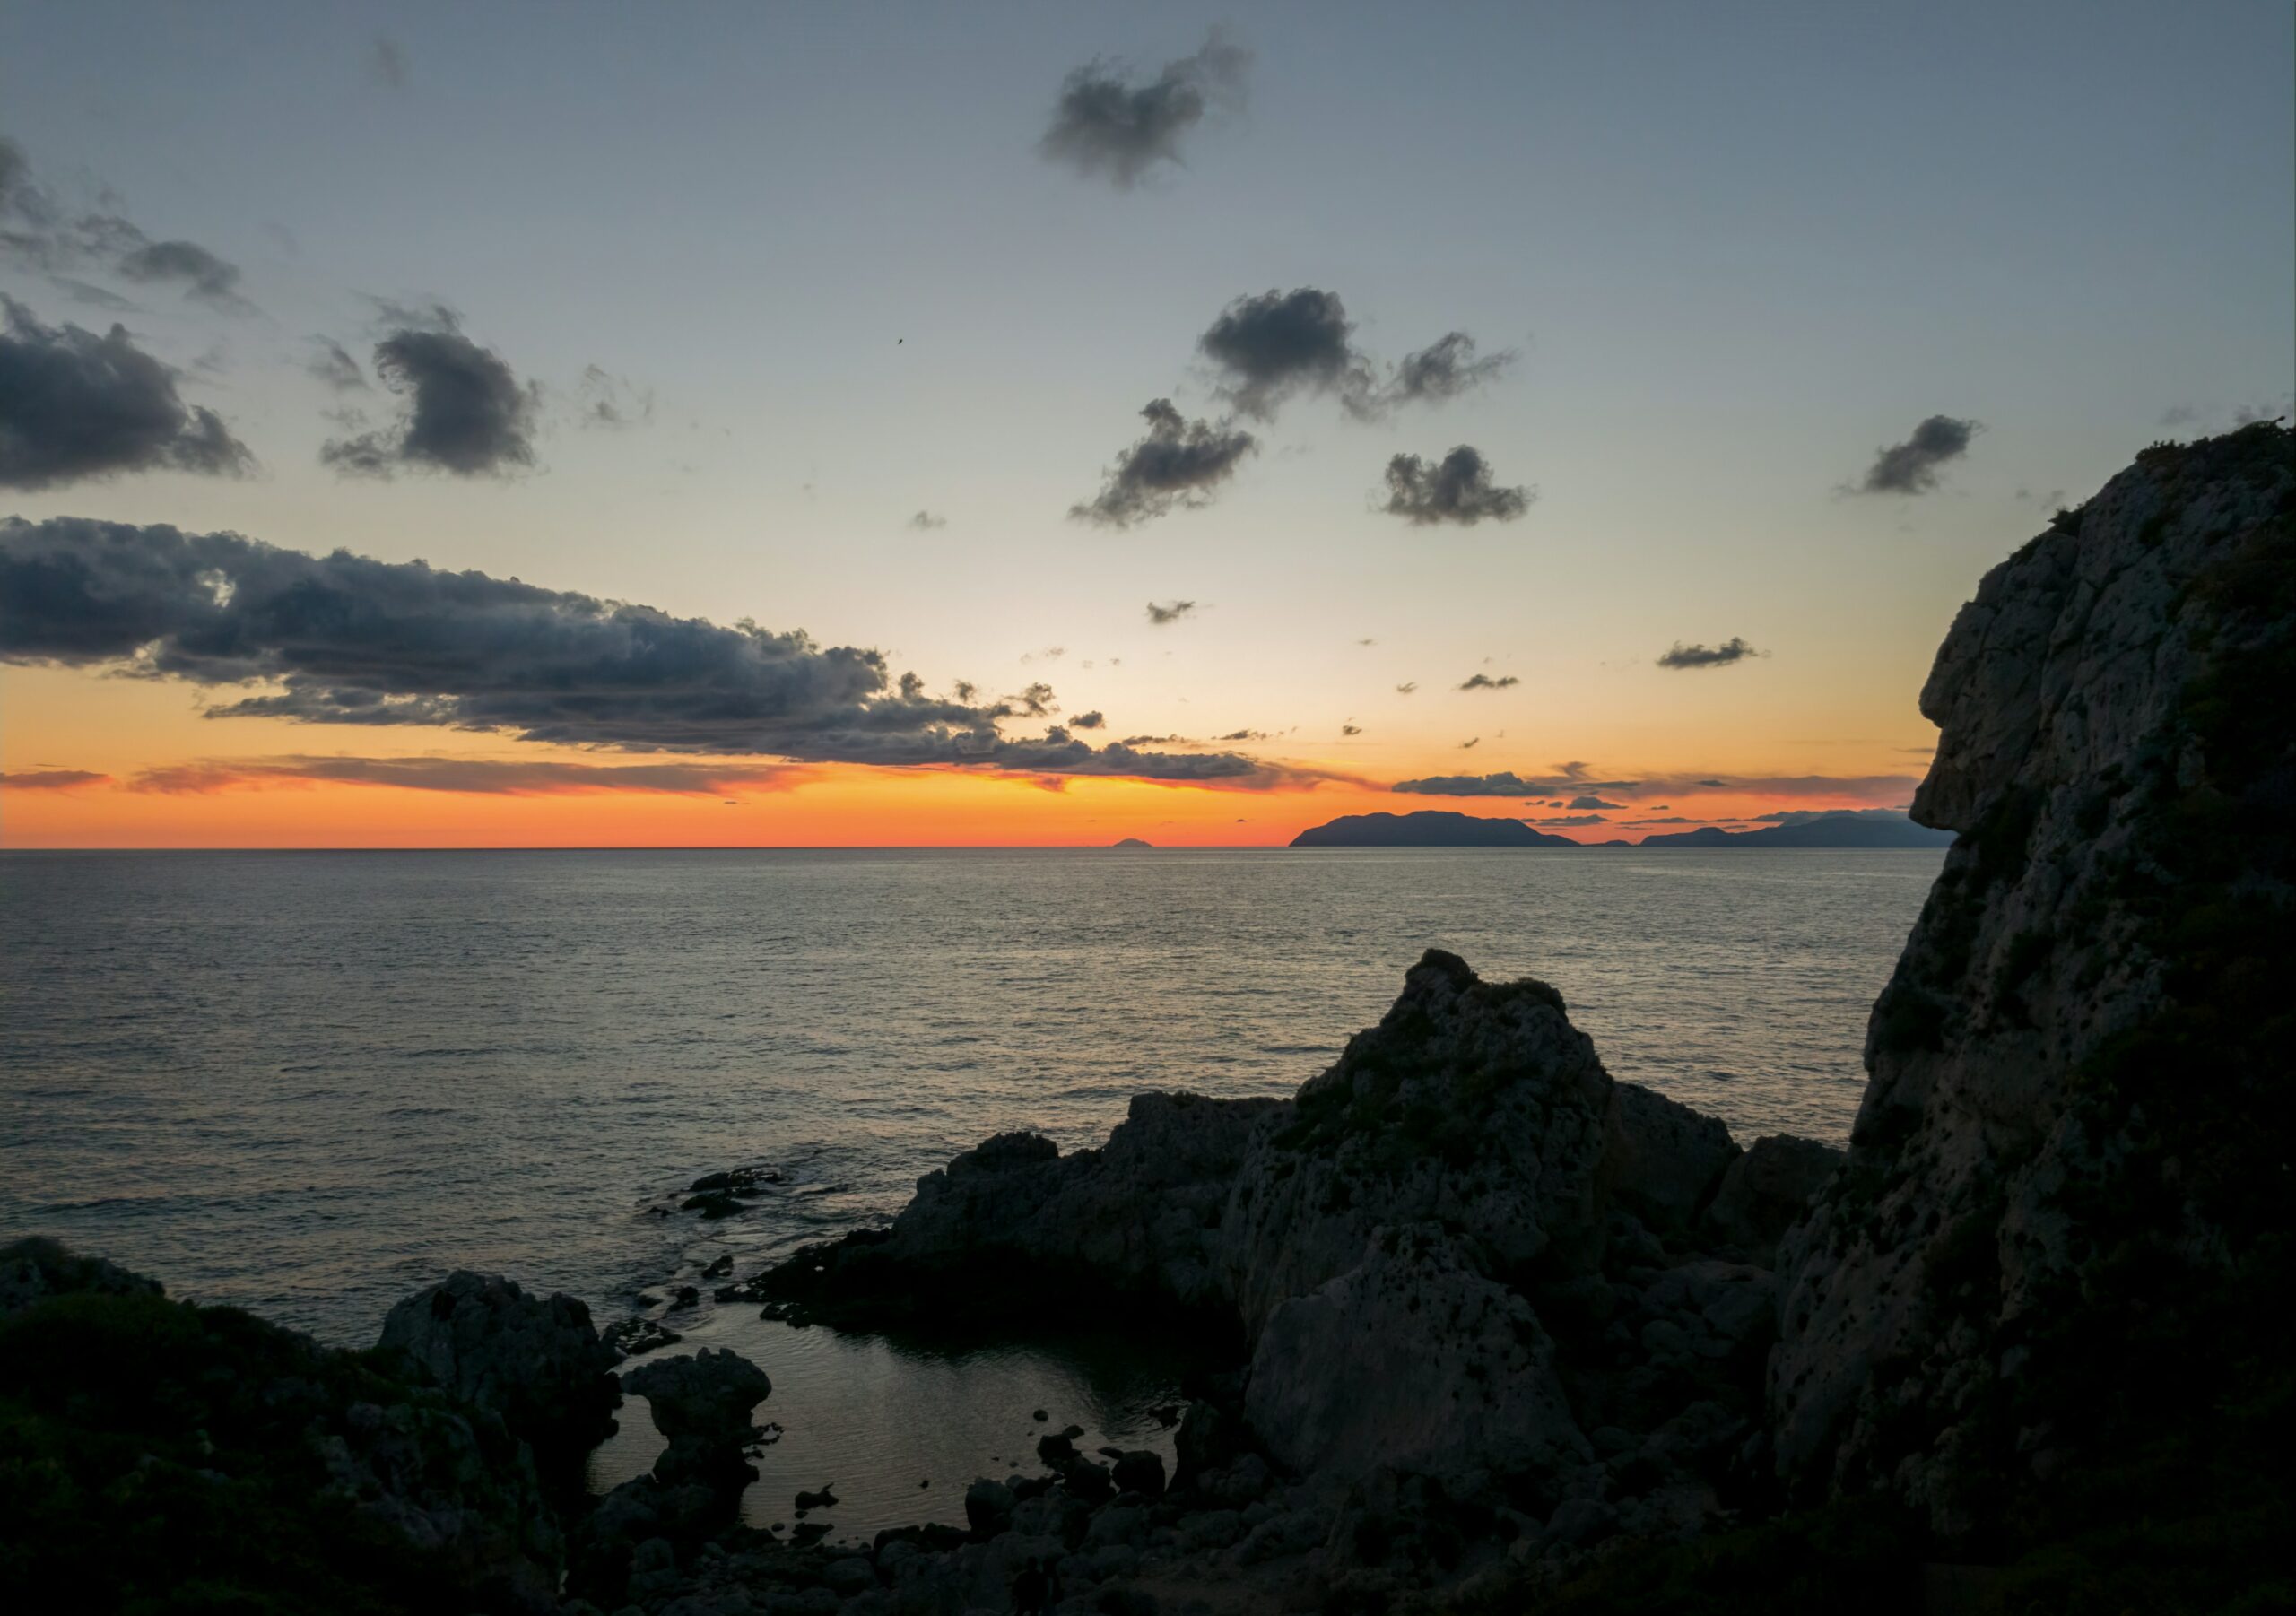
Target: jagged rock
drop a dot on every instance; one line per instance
(1766, 1190)
(988, 1507)
(2055, 1225)
(703, 1404)
(536, 1360)
(1140, 1471)
(1413, 1357)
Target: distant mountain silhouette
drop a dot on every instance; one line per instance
(1131, 841)
(1827, 830)
(1428, 827)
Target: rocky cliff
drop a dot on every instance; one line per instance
(2067, 1206)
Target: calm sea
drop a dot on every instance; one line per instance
(310, 1082)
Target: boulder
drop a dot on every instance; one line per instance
(536, 1360)
(1765, 1191)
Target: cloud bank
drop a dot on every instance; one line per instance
(465, 776)
(344, 639)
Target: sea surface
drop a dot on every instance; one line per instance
(307, 1083)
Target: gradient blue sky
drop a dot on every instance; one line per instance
(1738, 247)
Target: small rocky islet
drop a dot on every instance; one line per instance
(1503, 1334)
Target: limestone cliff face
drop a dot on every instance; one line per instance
(2079, 1088)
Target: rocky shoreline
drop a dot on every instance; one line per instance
(1502, 1332)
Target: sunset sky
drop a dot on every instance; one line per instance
(1766, 329)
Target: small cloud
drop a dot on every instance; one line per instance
(386, 63)
(467, 414)
(1107, 128)
(1161, 612)
(1279, 343)
(1484, 682)
(1406, 687)
(1444, 370)
(1092, 720)
(2178, 415)
(1591, 802)
(1571, 819)
(202, 274)
(1367, 640)
(1912, 467)
(50, 780)
(1245, 735)
(926, 521)
(333, 364)
(1708, 657)
(1178, 464)
(1351, 729)
(1458, 490)
(611, 401)
(1476, 740)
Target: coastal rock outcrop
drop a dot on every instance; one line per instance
(536, 1360)
(2064, 1219)
(703, 1404)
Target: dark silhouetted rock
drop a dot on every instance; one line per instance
(703, 1404)
(1427, 828)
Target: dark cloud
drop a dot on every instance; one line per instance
(1106, 128)
(1484, 682)
(1458, 490)
(925, 521)
(1506, 783)
(476, 776)
(21, 195)
(1161, 612)
(1912, 467)
(1280, 343)
(1245, 735)
(1470, 742)
(1591, 802)
(1178, 464)
(75, 405)
(200, 273)
(1571, 819)
(1794, 816)
(1406, 687)
(1708, 657)
(1092, 720)
(466, 412)
(1444, 369)
(1712, 785)
(1573, 778)
(342, 638)
(1351, 729)
(331, 364)
(49, 779)
(1161, 740)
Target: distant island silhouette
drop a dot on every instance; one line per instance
(1427, 828)
(1441, 828)
(1131, 841)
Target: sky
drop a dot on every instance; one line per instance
(1232, 417)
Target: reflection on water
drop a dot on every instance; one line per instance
(897, 1429)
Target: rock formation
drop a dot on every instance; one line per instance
(703, 1404)
(2067, 1208)
(536, 1362)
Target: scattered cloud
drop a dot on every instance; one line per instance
(1457, 489)
(612, 401)
(1245, 735)
(1178, 462)
(1094, 719)
(1794, 816)
(1270, 347)
(1351, 729)
(90, 296)
(1406, 687)
(344, 638)
(1106, 127)
(926, 521)
(1161, 612)
(467, 414)
(75, 406)
(1484, 682)
(1161, 740)
(40, 232)
(331, 364)
(1575, 779)
(1912, 467)
(1591, 802)
(1444, 369)
(1571, 819)
(1472, 741)
(201, 273)
(50, 780)
(1732, 650)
